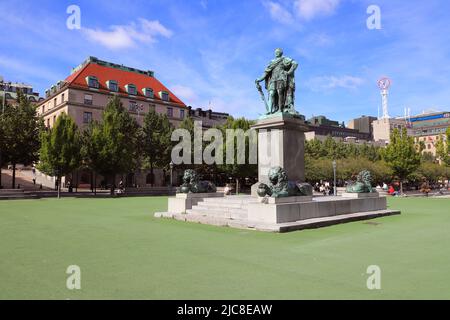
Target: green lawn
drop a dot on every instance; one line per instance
(124, 252)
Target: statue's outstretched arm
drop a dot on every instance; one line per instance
(262, 78)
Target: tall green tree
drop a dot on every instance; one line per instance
(60, 152)
(20, 134)
(156, 143)
(2, 141)
(112, 146)
(443, 148)
(236, 170)
(401, 155)
(443, 151)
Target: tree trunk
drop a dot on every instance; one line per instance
(95, 183)
(401, 187)
(151, 174)
(113, 182)
(13, 185)
(58, 179)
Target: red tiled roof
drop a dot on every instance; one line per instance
(104, 73)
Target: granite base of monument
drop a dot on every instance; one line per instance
(185, 201)
(281, 214)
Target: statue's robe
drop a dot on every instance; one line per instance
(277, 72)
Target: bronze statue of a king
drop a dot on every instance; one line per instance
(279, 77)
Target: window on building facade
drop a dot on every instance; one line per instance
(62, 98)
(181, 114)
(54, 102)
(48, 123)
(113, 85)
(131, 89)
(148, 92)
(151, 107)
(43, 109)
(88, 99)
(164, 95)
(92, 82)
(133, 106)
(170, 112)
(54, 120)
(87, 117)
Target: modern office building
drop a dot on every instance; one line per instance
(362, 124)
(321, 128)
(383, 128)
(429, 128)
(323, 121)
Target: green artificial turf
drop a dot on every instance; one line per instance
(125, 253)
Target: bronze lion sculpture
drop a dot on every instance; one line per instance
(193, 184)
(363, 183)
(279, 186)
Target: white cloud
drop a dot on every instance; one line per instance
(325, 83)
(309, 9)
(127, 36)
(279, 13)
(186, 94)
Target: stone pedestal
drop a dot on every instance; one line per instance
(184, 201)
(292, 211)
(281, 142)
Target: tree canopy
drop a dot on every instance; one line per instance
(156, 142)
(112, 145)
(20, 129)
(60, 148)
(401, 155)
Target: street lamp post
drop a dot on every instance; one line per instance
(334, 175)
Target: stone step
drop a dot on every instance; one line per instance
(220, 209)
(214, 205)
(230, 200)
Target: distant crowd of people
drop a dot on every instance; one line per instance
(324, 187)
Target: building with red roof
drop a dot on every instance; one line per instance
(83, 95)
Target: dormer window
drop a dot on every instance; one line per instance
(131, 89)
(112, 85)
(164, 95)
(92, 82)
(148, 92)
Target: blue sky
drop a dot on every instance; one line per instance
(210, 51)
